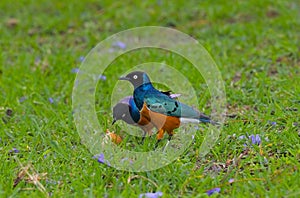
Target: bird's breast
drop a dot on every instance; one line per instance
(160, 121)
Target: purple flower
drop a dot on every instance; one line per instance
(255, 139)
(75, 70)
(212, 191)
(37, 60)
(51, 100)
(100, 158)
(14, 150)
(126, 159)
(51, 181)
(22, 99)
(272, 123)
(231, 180)
(81, 58)
(151, 195)
(102, 77)
(119, 44)
(242, 137)
(193, 137)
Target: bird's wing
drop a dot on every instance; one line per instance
(161, 103)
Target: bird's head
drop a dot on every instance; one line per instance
(137, 78)
(121, 111)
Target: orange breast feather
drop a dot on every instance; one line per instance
(145, 124)
(160, 121)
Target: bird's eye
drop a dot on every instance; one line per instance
(135, 77)
(123, 115)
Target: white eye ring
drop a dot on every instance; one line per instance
(123, 115)
(135, 77)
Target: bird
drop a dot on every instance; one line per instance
(127, 111)
(165, 113)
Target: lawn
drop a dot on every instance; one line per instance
(256, 46)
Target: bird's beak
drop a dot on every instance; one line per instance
(114, 121)
(124, 78)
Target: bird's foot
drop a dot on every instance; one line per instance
(166, 146)
(156, 144)
(143, 140)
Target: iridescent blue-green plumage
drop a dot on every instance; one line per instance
(127, 110)
(144, 92)
(134, 111)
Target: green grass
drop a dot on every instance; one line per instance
(254, 43)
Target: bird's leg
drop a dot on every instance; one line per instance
(159, 136)
(156, 144)
(170, 135)
(143, 138)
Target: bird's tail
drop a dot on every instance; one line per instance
(207, 119)
(200, 119)
(189, 114)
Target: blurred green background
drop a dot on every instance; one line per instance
(255, 45)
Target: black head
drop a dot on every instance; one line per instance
(122, 112)
(137, 78)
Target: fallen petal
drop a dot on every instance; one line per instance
(75, 70)
(102, 77)
(119, 44)
(212, 191)
(151, 195)
(51, 100)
